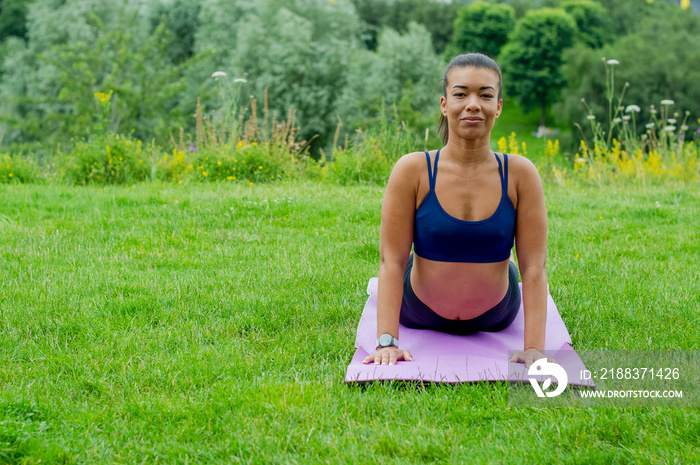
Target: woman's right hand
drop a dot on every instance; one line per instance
(388, 356)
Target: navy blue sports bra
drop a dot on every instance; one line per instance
(441, 237)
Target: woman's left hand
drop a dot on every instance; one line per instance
(529, 356)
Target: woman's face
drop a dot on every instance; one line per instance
(471, 104)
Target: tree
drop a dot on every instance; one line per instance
(77, 48)
(436, 16)
(670, 47)
(592, 22)
(531, 61)
(182, 19)
(13, 19)
(404, 71)
(481, 27)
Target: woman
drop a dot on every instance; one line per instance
(463, 208)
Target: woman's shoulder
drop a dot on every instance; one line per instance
(410, 171)
(521, 167)
(412, 163)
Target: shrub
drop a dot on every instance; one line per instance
(17, 169)
(112, 159)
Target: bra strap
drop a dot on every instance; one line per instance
(500, 170)
(505, 173)
(432, 172)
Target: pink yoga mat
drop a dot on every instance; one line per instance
(447, 358)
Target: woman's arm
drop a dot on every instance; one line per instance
(531, 249)
(395, 239)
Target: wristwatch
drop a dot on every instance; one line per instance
(387, 340)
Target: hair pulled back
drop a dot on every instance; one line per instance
(466, 60)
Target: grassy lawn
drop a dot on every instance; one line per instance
(524, 125)
(214, 323)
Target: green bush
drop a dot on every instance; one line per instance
(17, 169)
(112, 159)
(372, 154)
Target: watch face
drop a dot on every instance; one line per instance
(385, 340)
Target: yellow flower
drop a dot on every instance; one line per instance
(102, 97)
(685, 4)
(218, 163)
(239, 145)
(9, 175)
(259, 167)
(250, 183)
(230, 178)
(204, 173)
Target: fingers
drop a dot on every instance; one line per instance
(528, 357)
(388, 357)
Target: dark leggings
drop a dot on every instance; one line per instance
(415, 314)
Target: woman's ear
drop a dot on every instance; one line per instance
(443, 106)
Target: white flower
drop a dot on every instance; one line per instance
(218, 74)
(240, 80)
(684, 128)
(613, 62)
(670, 128)
(652, 111)
(667, 102)
(617, 120)
(671, 121)
(580, 160)
(650, 125)
(632, 108)
(626, 117)
(590, 117)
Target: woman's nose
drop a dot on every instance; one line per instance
(472, 103)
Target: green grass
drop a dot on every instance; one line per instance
(525, 125)
(214, 323)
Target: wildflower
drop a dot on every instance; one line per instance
(613, 62)
(102, 97)
(10, 175)
(239, 145)
(632, 108)
(205, 174)
(671, 121)
(667, 102)
(218, 74)
(669, 128)
(626, 117)
(652, 111)
(241, 80)
(617, 120)
(259, 167)
(684, 127)
(192, 148)
(681, 137)
(580, 160)
(230, 178)
(650, 125)
(590, 117)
